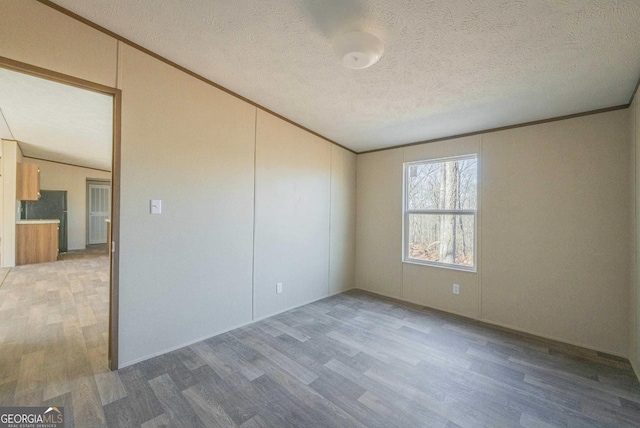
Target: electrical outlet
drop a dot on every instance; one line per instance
(456, 288)
(279, 288)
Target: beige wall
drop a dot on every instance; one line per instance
(188, 273)
(379, 223)
(293, 182)
(556, 230)
(56, 176)
(553, 231)
(185, 274)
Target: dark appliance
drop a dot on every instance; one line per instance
(52, 205)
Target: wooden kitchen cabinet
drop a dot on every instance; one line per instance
(37, 242)
(27, 182)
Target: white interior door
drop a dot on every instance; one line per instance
(99, 207)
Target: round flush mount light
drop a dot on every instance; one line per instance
(358, 50)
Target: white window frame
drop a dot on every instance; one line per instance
(406, 212)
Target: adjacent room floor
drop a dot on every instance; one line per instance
(53, 334)
(352, 360)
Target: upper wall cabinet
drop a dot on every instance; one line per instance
(27, 182)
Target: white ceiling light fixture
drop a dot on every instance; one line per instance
(357, 49)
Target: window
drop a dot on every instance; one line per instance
(440, 212)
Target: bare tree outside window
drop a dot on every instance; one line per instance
(440, 211)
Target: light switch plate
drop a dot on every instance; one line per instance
(156, 206)
(279, 288)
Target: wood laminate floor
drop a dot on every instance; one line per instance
(352, 360)
(53, 336)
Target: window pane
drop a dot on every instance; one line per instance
(442, 185)
(442, 238)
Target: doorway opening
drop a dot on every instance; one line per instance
(70, 176)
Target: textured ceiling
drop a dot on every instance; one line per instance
(449, 67)
(57, 122)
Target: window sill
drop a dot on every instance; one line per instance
(441, 266)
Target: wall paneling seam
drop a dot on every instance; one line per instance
(480, 184)
(253, 258)
(402, 243)
(330, 219)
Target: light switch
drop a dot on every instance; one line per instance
(156, 206)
